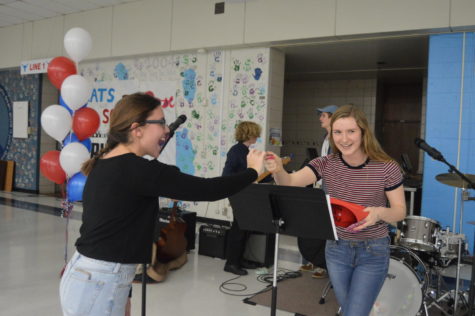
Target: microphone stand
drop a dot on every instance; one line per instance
(452, 168)
(471, 185)
(144, 288)
(144, 265)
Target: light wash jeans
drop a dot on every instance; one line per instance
(95, 287)
(357, 270)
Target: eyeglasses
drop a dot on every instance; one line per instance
(162, 122)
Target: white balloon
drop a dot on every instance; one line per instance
(78, 43)
(56, 121)
(75, 91)
(71, 158)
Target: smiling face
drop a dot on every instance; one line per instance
(150, 137)
(348, 138)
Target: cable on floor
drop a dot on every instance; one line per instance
(282, 274)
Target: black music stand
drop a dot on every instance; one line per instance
(295, 211)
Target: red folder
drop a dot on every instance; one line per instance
(346, 213)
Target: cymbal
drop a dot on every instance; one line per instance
(454, 180)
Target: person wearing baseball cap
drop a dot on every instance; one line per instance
(312, 248)
(368, 184)
(325, 117)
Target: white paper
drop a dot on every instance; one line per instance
(331, 217)
(20, 119)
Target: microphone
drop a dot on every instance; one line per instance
(434, 153)
(173, 126)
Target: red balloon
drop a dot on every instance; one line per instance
(85, 123)
(51, 168)
(59, 69)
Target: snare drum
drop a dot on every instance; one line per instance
(419, 233)
(405, 285)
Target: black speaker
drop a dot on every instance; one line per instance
(163, 219)
(260, 248)
(212, 241)
(3, 174)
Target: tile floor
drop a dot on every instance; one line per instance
(32, 243)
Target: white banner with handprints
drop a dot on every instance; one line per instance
(106, 94)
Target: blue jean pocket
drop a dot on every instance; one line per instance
(334, 250)
(80, 292)
(379, 249)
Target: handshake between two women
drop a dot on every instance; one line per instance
(260, 160)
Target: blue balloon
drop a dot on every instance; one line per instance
(72, 138)
(75, 187)
(62, 103)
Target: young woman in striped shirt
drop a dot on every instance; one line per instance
(358, 171)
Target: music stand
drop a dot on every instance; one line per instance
(294, 211)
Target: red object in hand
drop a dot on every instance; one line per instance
(346, 213)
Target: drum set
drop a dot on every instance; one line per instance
(418, 281)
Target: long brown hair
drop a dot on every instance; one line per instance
(133, 108)
(370, 144)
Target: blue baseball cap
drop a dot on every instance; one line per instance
(329, 108)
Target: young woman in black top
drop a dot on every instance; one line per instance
(120, 204)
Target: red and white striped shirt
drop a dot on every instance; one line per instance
(365, 185)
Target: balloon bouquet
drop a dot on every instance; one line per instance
(71, 122)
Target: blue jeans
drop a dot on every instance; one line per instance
(357, 270)
(95, 287)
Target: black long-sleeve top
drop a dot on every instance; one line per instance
(236, 159)
(120, 204)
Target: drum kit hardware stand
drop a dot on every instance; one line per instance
(439, 248)
(455, 294)
(424, 254)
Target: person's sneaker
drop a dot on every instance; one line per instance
(320, 273)
(232, 268)
(307, 267)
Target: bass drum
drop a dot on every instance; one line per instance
(405, 285)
